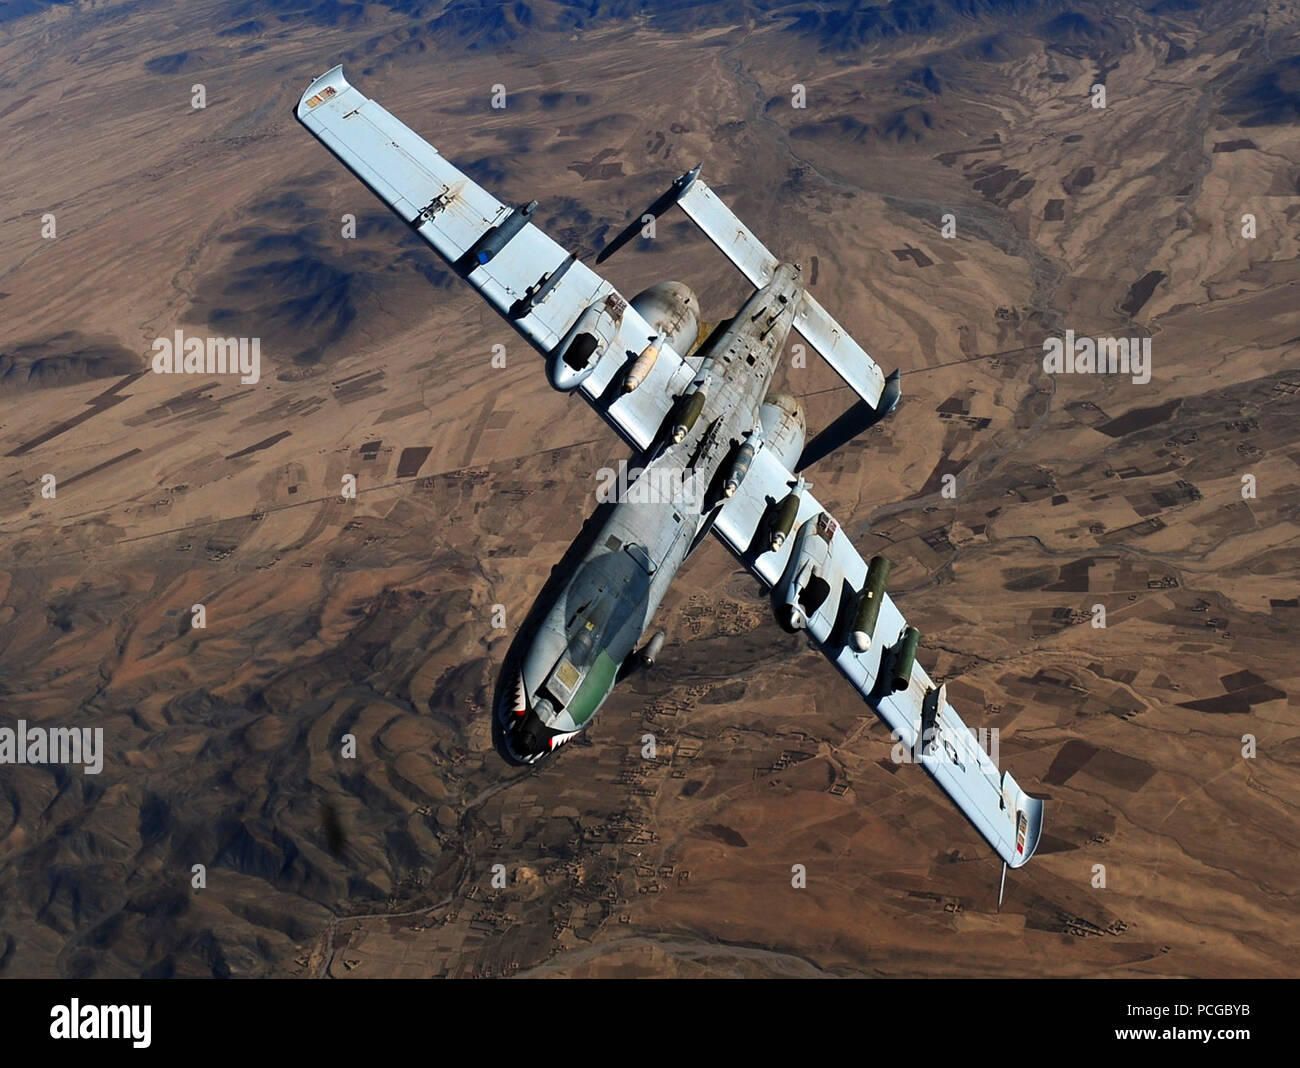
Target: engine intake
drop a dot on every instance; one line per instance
(784, 427)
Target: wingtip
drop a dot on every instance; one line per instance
(322, 88)
(1034, 814)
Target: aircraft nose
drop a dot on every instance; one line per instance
(531, 735)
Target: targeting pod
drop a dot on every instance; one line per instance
(800, 598)
(645, 363)
(868, 611)
(782, 523)
(900, 676)
(691, 407)
(739, 469)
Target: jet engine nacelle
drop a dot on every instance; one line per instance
(578, 352)
(784, 427)
(673, 311)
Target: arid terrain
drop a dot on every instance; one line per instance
(1173, 504)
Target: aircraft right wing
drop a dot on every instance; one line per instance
(919, 715)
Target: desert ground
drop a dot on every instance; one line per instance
(1167, 742)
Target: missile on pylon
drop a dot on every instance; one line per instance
(691, 407)
(739, 469)
(901, 673)
(868, 611)
(642, 367)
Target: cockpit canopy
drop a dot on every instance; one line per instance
(605, 608)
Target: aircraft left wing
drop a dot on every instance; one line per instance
(919, 715)
(535, 284)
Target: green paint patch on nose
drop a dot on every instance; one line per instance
(593, 690)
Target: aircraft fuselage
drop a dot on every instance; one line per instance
(589, 634)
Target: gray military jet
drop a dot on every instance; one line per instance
(716, 451)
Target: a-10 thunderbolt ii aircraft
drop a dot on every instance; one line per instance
(718, 452)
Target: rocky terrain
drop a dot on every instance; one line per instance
(322, 745)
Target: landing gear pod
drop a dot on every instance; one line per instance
(873, 593)
(578, 352)
(805, 588)
(900, 676)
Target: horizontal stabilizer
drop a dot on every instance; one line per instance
(733, 238)
(718, 222)
(833, 343)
